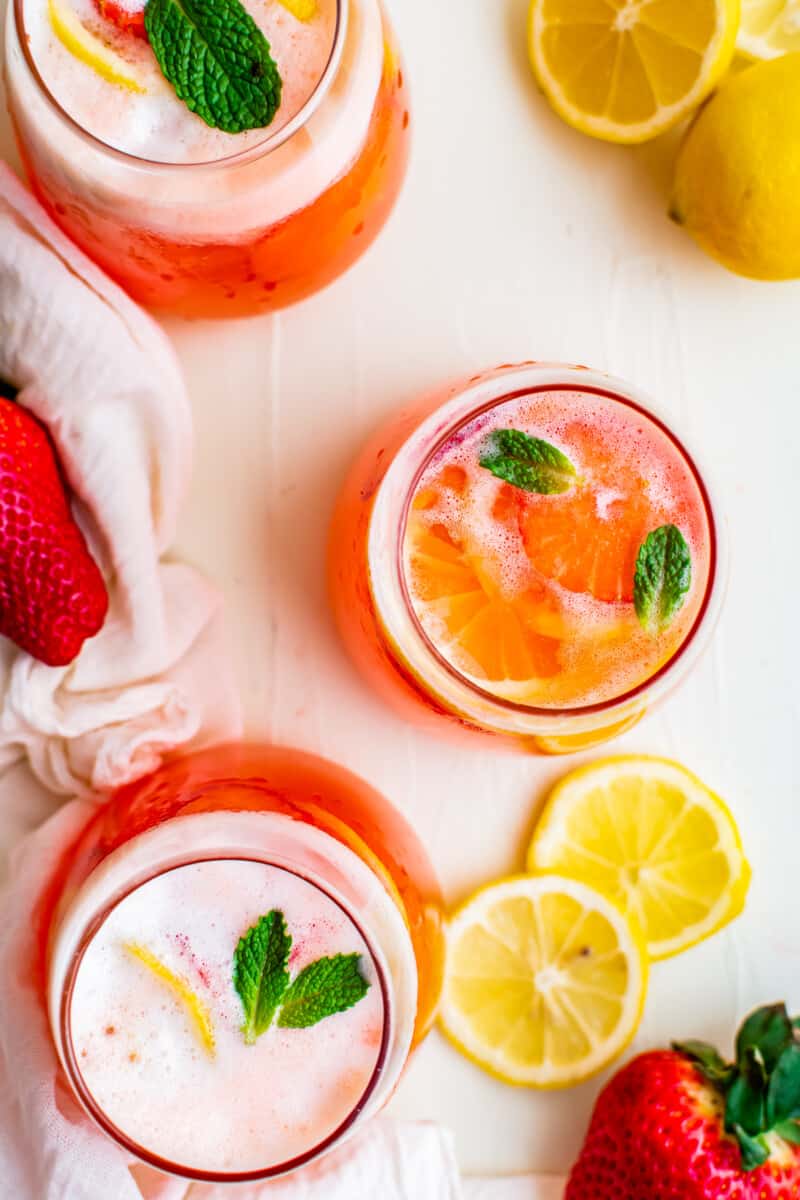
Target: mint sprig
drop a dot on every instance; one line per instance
(217, 60)
(259, 972)
(325, 987)
(761, 1090)
(662, 577)
(528, 463)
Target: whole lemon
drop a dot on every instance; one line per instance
(737, 180)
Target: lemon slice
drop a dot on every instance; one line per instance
(545, 980)
(654, 839)
(769, 28)
(626, 70)
(91, 50)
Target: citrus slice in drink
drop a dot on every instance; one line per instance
(89, 49)
(626, 70)
(545, 980)
(490, 636)
(769, 28)
(652, 837)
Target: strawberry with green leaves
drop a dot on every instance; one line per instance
(682, 1124)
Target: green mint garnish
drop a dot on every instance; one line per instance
(663, 577)
(527, 462)
(324, 987)
(259, 972)
(217, 60)
(760, 1091)
(260, 976)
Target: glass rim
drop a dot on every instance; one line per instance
(240, 157)
(141, 1153)
(713, 580)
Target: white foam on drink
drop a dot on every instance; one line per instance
(606, 645)
(157, 125)
(247, 1108)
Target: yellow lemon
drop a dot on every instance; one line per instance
(652, 837)
(737, 179)
(769, 28)
(626, 70)
(545, 980)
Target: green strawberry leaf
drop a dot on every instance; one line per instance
(745, 1101)
(528, 463)
(663, 577)
(217, 60)
(324, 987)
(259, 971)
(789, 1131)
(754, 1151)
(783, 1093)
(7, 391)
(708, 1060)
(769, 1029)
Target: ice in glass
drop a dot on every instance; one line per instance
(188, 216)
(532, 555)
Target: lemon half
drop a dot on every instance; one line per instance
(769, 28)
(653, 838)
(626, 70)
(545, 980)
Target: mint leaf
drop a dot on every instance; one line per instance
(663, 577)
(324, 987)
(217, 60)
(259, 970)
(528, 463)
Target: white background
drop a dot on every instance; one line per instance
(516, 238)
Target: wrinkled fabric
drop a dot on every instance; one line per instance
(102, 376)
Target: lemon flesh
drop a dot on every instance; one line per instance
(626, 70)
(545, 981)
(769, 28)
(652, 837)
(737, 178)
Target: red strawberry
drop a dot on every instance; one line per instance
(128, 17)
(682, 1124)
(52, 595)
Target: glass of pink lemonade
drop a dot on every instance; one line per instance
(532, 555)
(198, 218)
(240, 953)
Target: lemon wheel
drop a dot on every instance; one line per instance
(627, 70)
(653, 838)
(545, 980)
(769, 28)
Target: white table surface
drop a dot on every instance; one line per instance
(515, 238)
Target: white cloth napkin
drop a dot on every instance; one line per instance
(103, 378)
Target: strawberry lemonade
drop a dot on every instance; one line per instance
(237, 969)
(531, 555)
(242, 184)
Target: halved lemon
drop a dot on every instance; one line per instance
(626, 70)
(545, 980)
(769, 28)
(652, 837)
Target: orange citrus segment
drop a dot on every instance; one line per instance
(498, 637)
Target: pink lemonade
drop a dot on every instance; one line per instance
(239, 953)
(530, 554)
(196, 1093)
